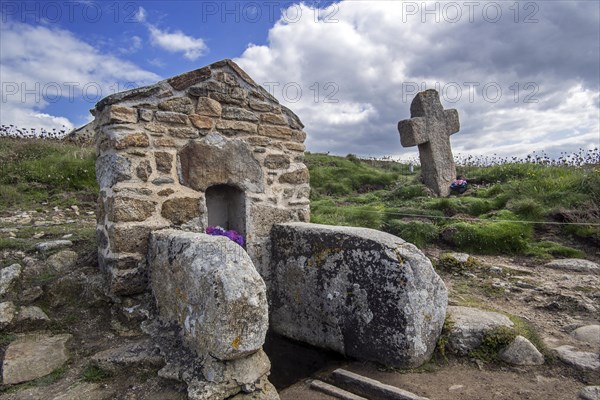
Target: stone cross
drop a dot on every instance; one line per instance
(430, 127)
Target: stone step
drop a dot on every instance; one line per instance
(370, 388)
(334, 391)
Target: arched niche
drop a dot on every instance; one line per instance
(226, 207)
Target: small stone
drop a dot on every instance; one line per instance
(296, 177)
(184, 132)
(470, 325)
(31, 294)
(145, 115)
(171, 117)
(589, 334)
(521, 352)
(165, 142)
(181, 210)
(238, 114)
(455, 387)
(163, 180)
(209, 107)
(54, 244)
(581, 360)
(275, 131)
(129, 209)
(32, 316)
(590, 393)
(129, 239)
(294, 146)
(232, 127)
(63, 260)
(166, 192)
(273, 119)
(461, 258)
(177, 104)
(132, 140)
(202, 121)
(7, 314)
(164, 161)
(116, 114)
(144, 170)
(33, 356)
(8, 278)
(277, 161)
(112, 168)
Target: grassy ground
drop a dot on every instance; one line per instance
(37, 171)
(506, 212)
(513, 209)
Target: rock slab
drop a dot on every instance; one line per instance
(209, 287)
(575, 265)
(363, 293)
(582, 360)
(590, 393)
(33, 356)
(469, 327)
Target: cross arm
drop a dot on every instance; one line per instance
(452, 122)
(412, 131)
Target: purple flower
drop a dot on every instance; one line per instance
(231, 234)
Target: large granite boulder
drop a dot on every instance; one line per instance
(361, 292)
(209, 286)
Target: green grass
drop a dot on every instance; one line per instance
(94, 374)
(416, 232)
(37, 170)
(508, 193)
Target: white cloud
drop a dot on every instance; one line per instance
(377, 52)
(140, 15)
(40, 65)
(177, 42)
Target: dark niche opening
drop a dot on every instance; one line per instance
(226, 208)
(292, 361)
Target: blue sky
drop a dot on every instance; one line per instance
(523, 75)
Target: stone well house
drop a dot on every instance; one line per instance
(208, 147)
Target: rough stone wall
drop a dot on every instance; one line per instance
(160, 147)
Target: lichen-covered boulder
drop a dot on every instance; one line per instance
(364, 293)
(209, 286)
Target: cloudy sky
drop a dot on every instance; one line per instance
(524, 75)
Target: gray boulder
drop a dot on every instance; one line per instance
(582, 360)
(588, 334)
(8, 277)
(521, 352)
(575, 265)
(33, 356)
(469, 327)
(590, 393)
(361, 292)
(209, 287)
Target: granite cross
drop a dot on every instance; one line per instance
(430, 127)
